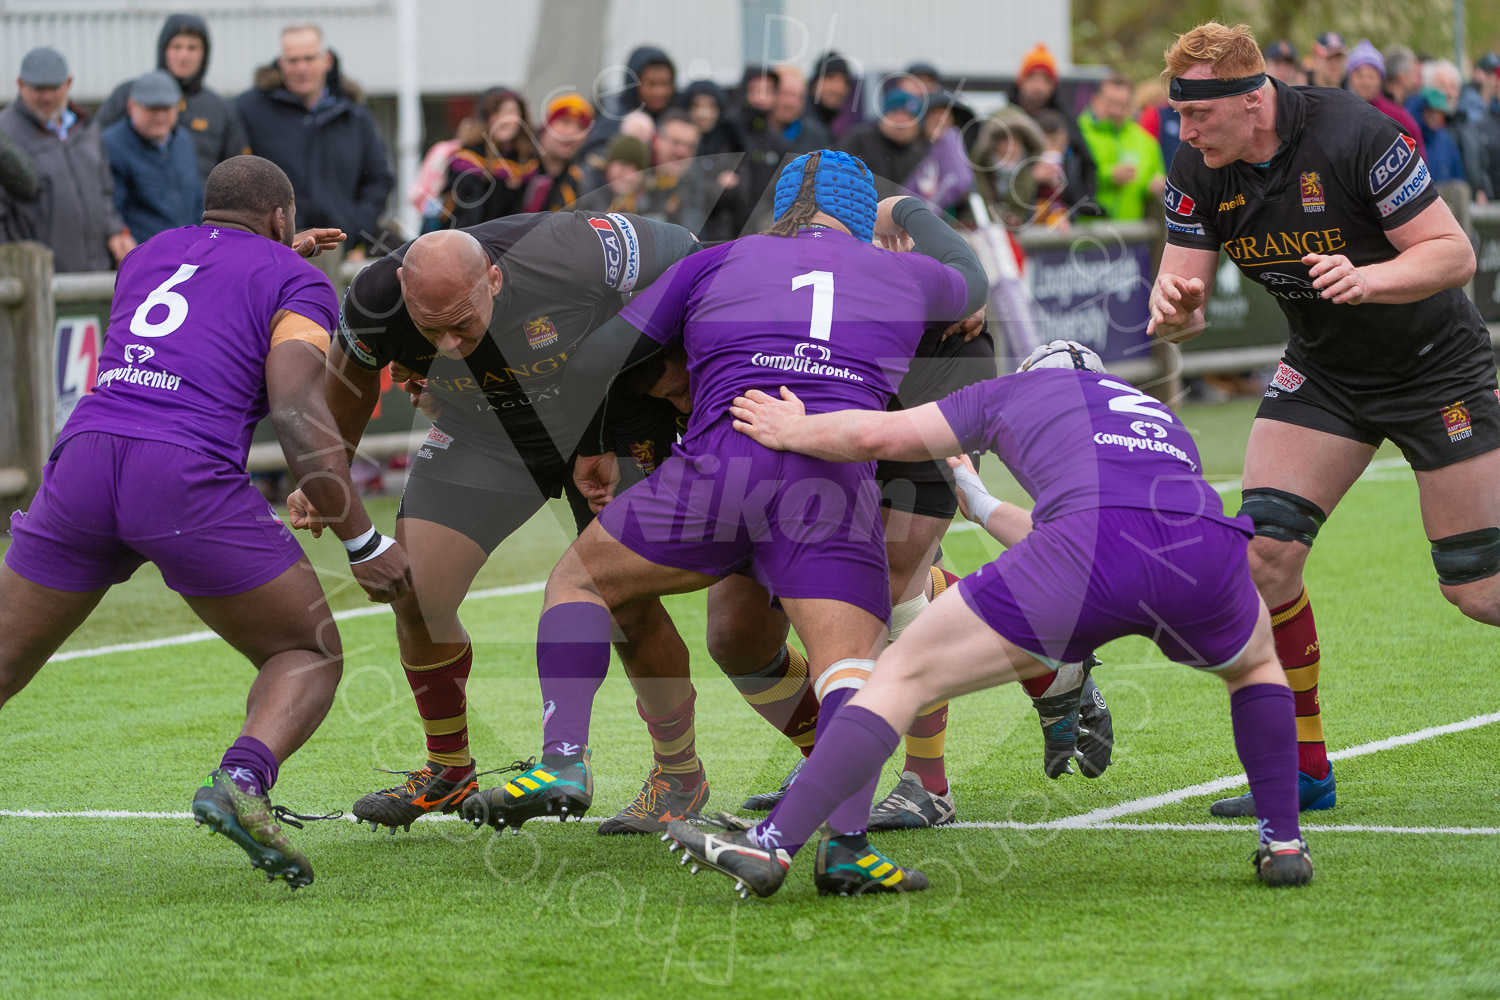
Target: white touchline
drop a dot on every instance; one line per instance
(204, 635)
(1240, 828)
(1106, 813)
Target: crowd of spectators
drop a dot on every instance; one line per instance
(686, 152)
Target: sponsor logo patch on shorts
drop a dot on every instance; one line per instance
(1288, 378)
(437, 439)
(1177, 202)
(1456, 422)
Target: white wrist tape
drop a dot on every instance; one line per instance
(355, 544)
(978, 499)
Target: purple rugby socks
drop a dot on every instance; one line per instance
(1265, 736)
(838, 781)
(251, 765)
(572, 658)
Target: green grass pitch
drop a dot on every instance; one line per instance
(152, 907)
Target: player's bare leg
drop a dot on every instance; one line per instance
(1461, 515)
(37, 620)
(1298, 495)
(285, 630)
(436, 657)
(595, 577)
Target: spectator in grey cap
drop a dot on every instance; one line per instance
(73, 208)
(153, 160)
(183, 49)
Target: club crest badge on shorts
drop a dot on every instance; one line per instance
(1312, 192)
(1456, 422)
(540, 332)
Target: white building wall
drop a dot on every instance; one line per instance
(466, 45)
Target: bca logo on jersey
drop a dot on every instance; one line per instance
(1391, 162)
(613, 255)
(77, 341)
(1177, 202)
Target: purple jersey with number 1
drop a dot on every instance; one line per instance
(1128, 540)
(151, 465)
(184, 359)
(833, 319)
(836, 321)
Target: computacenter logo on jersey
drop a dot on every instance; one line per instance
(1391, 162)
(1415, 185)
(1456, 422)
(1177, 202)
(1145, 444)
(139, 376)
(807, 359)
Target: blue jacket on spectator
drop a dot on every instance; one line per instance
(156, 187)
(1443, 157)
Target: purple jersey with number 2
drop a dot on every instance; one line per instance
(1129, 539)
(833, 319)
(184, 358)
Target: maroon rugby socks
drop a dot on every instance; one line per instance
(572, 658)
(1265, 736)
(1296, 638)
(442, 702)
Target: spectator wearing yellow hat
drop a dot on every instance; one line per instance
(555, 181)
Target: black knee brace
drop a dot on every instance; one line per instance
(1467, 557)
(1283, 516)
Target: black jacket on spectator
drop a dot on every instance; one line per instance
(607, 121)
(1078, 164)
(333, 154)
(209, 119)
(765, 151)
(891, 163)
(725, 136)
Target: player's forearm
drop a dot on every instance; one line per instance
(350, 393)
(935, 238)
(840, 436)
(1008, 524)
(1421, 270)
(310, 440)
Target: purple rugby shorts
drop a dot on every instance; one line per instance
(108, 504)
(799, 526)
(1083, 579)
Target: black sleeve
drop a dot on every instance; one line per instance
(369, 315)
(662, 244)
(593, 373)
(935, 238)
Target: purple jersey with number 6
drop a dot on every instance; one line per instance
(184, 357)
(833, 319)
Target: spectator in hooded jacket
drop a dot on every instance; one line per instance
(153, 160)
(305, 118)
(707, 105)
(182, 49)
(1035, 89)
(835, 94)
(1367, 80)
(894, 144)
(650, 86)
(72, 209)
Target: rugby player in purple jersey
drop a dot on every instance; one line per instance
(212, 328)
(812, 302)
(1126, 539)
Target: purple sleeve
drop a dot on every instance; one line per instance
(973, 413)
(661, 310)
(944, 291)
(307, 291)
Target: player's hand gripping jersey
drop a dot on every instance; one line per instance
(1344, 176)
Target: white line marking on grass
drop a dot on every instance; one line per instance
(1240, 828)
(203, 635)
(1149, 802)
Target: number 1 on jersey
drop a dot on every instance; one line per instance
(822, 311)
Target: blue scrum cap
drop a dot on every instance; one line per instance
(842, 188)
